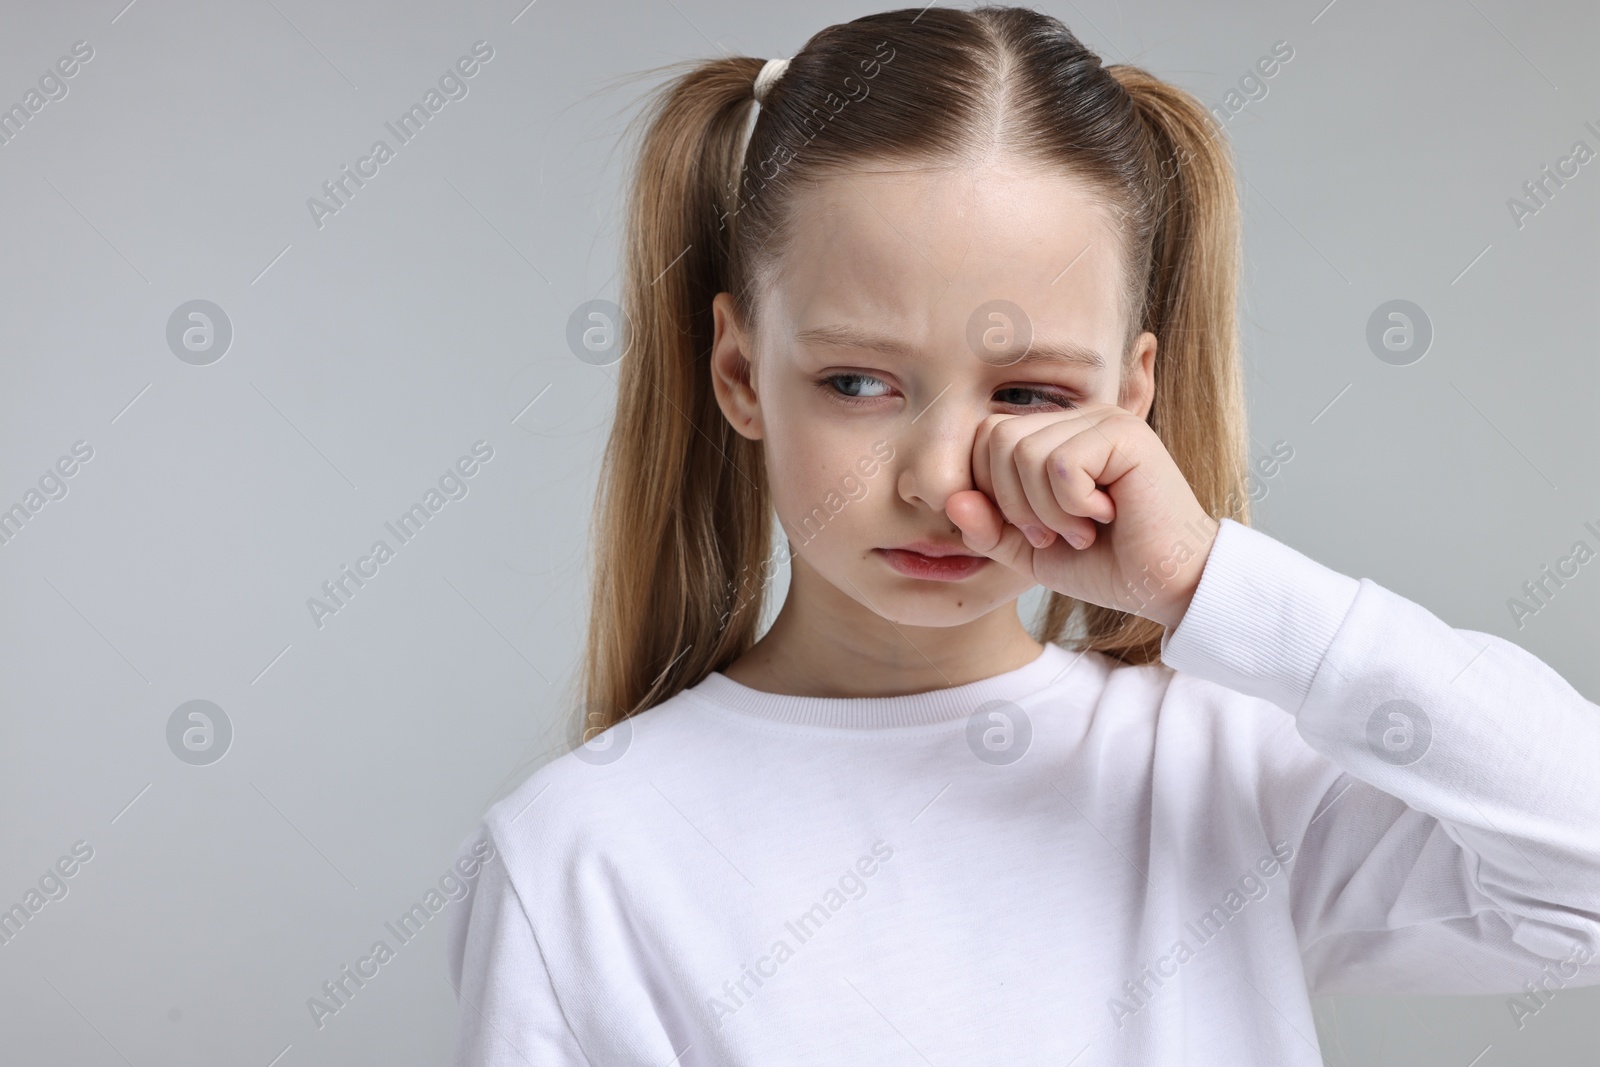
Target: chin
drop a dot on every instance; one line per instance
(937, 605)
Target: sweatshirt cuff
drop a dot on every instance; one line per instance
(1262, 617)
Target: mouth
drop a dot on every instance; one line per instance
(933, 562)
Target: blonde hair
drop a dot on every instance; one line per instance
(682, 523)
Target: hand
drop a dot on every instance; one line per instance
(1096, 473)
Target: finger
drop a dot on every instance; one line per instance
(1100, 457)
(1071, 485)
(984, 530)
(1036, 455)
(1056, 466)
(1007, 452)
(980, 453)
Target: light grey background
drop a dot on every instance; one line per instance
(430, 313)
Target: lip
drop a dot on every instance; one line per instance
(935, 549)
(949, 565)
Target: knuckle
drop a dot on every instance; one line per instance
(1062, 466)
(1033, 451)
(1006, 431)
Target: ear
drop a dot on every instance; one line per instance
(732, 373)
(1139, 390)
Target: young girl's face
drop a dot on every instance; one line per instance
(890, 334)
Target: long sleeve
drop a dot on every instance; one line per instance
(1449, 841)
(507, 1008)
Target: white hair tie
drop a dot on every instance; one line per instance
(771, 72)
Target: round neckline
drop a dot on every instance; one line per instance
(907, 709)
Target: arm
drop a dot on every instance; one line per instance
(507, 1008)
(1449, 840)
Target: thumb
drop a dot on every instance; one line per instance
(985, 530)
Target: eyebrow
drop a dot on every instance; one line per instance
(845, 336)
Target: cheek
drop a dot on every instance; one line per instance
(812, 468)
(804, 452)
(805, 467)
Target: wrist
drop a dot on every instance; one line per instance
(1178, 593)
(1172, 615)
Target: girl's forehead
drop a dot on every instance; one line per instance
(934, 197)
(909, 250)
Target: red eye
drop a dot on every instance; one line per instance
(1051, 396)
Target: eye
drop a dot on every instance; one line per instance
(852, 389)
(840, 386)
(1049, 395)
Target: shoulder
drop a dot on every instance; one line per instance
(1220, 742)
(1174, 715)
(1172, 700)
(1250, 726)
(594, 792)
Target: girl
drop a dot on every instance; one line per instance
(920, 310)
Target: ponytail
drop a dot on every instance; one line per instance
(682, 517)
(1191, 282)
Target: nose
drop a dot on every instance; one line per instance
(936, 460)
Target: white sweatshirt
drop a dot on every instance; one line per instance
(1324, 789)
